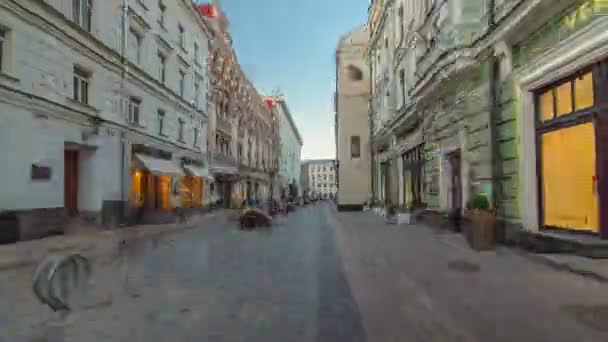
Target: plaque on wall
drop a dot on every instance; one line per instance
(41, 173)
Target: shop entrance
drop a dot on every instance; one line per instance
(569, 121)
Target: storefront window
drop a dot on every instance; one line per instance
(136, 196)
(564, 98)
(583, 91)
(546, 106)
(164, 186)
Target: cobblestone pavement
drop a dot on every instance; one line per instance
(317, 275)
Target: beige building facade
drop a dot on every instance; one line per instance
(352, 121)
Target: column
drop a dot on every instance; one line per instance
(235, 138)
(246, 147)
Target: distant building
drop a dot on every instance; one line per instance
(289, 147)
(321, 177)
(352, 123)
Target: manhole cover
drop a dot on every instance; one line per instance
(463, 266)
(593, 316)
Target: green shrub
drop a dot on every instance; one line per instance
(478, 201)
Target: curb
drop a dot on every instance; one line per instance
(564, 266)
(89, 242)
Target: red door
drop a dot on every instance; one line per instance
(71, 182)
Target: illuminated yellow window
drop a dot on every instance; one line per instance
(564, 99)
(164, 184)
(568, 159)
(583, 91)
(546, 106)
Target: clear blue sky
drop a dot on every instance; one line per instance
(290, 45)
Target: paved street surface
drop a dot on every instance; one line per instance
(317, 275)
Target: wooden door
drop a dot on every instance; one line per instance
(455, 161)
(70, 183)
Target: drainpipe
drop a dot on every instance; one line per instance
(494, 79)
(123, 143)
(371, 135)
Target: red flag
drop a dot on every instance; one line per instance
(208, 11)
(269, 103)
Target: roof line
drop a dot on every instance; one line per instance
(291, 122)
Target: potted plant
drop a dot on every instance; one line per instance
(481, 233)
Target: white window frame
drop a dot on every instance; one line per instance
(82, 86)
(3, 49)
(79, 18)
(163, 11)
(138, 39)
(182, 36)
(162, 67)
(162, 115)
(181, 123)
(182, 83)
(197, 54)
(134, 110)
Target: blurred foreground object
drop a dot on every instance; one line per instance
(58, 276)
(252, 218)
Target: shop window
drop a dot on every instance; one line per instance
(583, 91)
(568, 166)
(563, 101)
(546, 106)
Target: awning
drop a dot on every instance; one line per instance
(197, 171)
(227, 170)
(158, 166)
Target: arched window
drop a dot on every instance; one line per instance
(354, 73)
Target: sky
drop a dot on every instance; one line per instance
(290, 45)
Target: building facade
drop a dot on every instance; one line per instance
(494, 98)
(241, 129)
(353, 150)
(322, 177)
(289, 147)
(103, 107)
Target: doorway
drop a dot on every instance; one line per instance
(70, 183)
(455, 199)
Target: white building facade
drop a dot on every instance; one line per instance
(353, 148)
(102, 108)
(322, 177)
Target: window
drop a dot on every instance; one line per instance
(355, 147)
(197, 54)
(354, 73)
(81, 13)
(182, 38)
(180, 132)
(196, 134)
(2, 49)
(135, 46)
(161, 122)
(81, 86)
(182, 83)
(401, 23)
(197, 90)
(134, 110)
(161, 17)
(162, 68)
(402, 84)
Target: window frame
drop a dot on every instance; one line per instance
(182, 83)
(197, 54)
(353, 139)
(180, 129)
(79, 18)
(196, 133)
(161, 116)
(181, 36)
(81, 85)
(162, 65)
(3, 48)
(138, 40)
(134, 110)
(163, 11)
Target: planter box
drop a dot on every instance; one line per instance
(481, 233)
